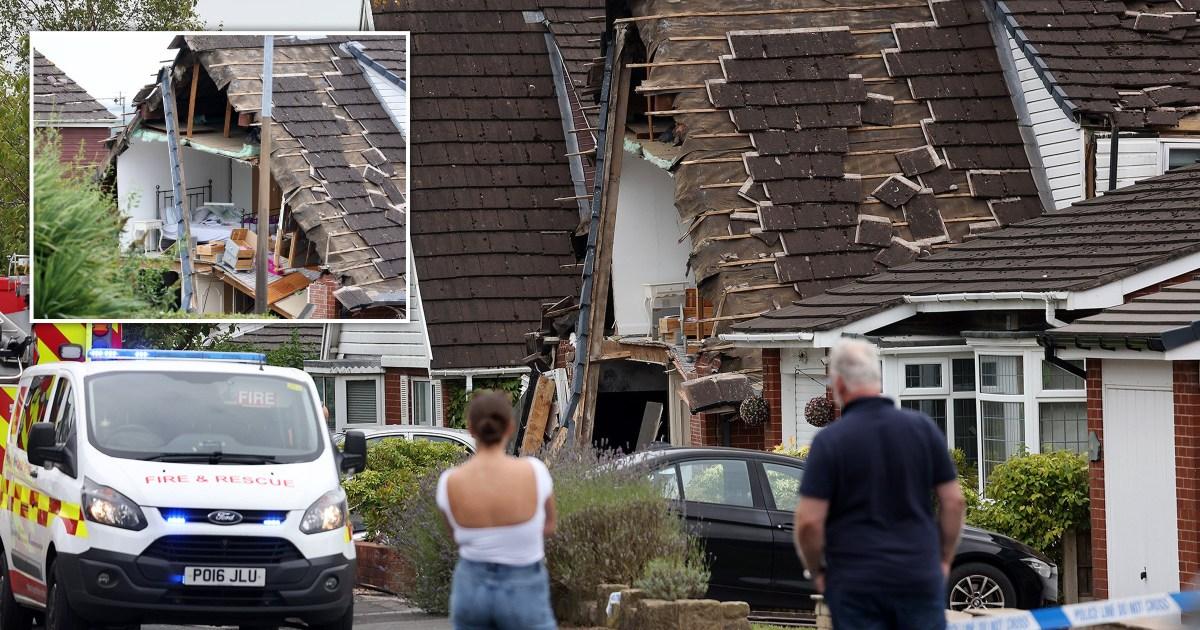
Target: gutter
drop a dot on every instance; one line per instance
(1032, 296)
(766, 337)
(506, 371)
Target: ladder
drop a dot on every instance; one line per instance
(179, 189)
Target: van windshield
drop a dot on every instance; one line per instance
(202, 417)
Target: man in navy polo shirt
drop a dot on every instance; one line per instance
(865, 524)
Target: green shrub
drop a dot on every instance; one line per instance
(1036, 499)
(392, 478)
(612, 521)
(792, 449)
(675, 578)
(76, 228)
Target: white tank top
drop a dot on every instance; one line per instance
(516, 545)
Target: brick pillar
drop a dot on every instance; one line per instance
(392, 397)
(1187, 468)
(1095, 424)
(772, 393)
(320, 295)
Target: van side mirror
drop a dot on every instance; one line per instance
(354, 452)
(43, 445)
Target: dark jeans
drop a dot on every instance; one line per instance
(883, 611)
(488, 596)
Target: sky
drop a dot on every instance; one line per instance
(108, 64)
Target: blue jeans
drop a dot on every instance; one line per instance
(492, 596)
(884, 611)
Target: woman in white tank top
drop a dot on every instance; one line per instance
(500, 508)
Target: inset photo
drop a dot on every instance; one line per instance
(200, 176)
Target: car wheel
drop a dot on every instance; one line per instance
(345, 622)
(978, 585)
(59, 614)
(12, 614)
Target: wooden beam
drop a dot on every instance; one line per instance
(618, 107)
(539, 416)
(666, 64)
(228, 116)
(192, 97)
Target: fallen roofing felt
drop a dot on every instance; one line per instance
(246, 152)
(58, 99)
(1086, 245)
(337, 157)
(801, 132)
(1131, 63)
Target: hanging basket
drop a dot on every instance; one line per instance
(754, 410)
(819, 411)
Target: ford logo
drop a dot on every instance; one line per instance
(224, 517)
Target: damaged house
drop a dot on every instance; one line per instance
(82, 123)
(337, 170)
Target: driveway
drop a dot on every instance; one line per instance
(373, 611)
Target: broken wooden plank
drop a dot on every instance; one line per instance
(539, 415)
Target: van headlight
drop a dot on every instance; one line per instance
(1041, 568)
(326, 513)
(102, 504)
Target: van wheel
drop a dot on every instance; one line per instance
(12, 614)
(345, 622)
(59, 614)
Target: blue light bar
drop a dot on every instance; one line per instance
(272, 521)
(127, 354)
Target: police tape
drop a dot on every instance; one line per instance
(1088, 614)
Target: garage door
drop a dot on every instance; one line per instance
(1139, 478)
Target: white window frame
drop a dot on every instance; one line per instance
(339, 393)
(413, 383)
(1031, 354)
(1164, 152)
(925, 392)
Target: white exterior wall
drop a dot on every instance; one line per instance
(391, 97)
(145, 165)
(1137, 159)
(1059, 139)
(646, 247)
(802, 378)
(403, 344)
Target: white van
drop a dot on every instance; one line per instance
(150, 486)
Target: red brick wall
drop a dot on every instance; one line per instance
(1187, 467)
(1095, 423)
(707, 431)
(772, 393)
(393, 409)
(320, 295)
(89, 140)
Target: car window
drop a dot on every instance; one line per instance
(784, 483)
(378, 439)
(667, 481)
(723, 481)
(33, 408)
(64, 417)
(435, 438)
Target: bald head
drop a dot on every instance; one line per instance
(854, 371)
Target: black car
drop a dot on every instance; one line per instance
(741, 503)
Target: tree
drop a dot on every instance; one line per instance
(18, 17)
(14, 163)
(77, 230)
(170, 336)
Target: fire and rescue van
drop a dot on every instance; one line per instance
(178, 487)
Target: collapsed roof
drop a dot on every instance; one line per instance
(492, 187)
(1087, 245)
(337, 154)
(1129, 63)
(59, 101)
(822, 143)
